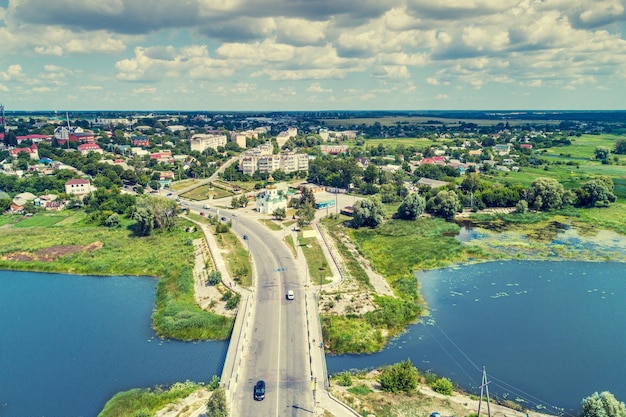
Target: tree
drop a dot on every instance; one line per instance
(412, 207)
(305, 215)
(596, 193)
(602, 152)
(445, 203)
(399, 377)
(216, 406)
(470, 185)
(368, 212)
(545, 194)
(153, 213)
(388, 193)
(603, 405)
(279, 213)
(620, 146)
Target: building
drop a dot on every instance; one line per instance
(270, 199)
(32, 151)
(202, 141)
(140, 140)
(262, 159)
(85, 148)
(334, 149)
(78, 187)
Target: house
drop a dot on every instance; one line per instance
(85, 148)
(502, 149)
(20, 200)
(526, 146)
(32, 151)
(141, 140)
(431, 183)
(78, 187)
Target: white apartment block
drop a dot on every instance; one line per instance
(263, 160)
(200, 142)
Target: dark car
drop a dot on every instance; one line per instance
(259, 390)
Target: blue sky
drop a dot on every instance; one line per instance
(312, 54)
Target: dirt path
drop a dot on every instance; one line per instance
(208, 297)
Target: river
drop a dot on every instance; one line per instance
(548, 333)
(69, 343)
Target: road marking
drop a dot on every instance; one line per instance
(280, 314)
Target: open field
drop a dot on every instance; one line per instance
(420, 143)
(393, 120)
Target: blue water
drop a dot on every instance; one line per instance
(551, 333)
(69, 343)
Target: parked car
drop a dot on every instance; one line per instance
(259, 390)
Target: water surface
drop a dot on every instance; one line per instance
(549, 333)
(69, 343)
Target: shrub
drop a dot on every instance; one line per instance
(603, 405)
(344, 379)
(214, 278)
(215, 383)
(399, 377)
(216, 406)
(442, 386)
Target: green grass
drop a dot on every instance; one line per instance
(351, 334)
(316, 261)
(168, 255)
(271, 224)
(149, 401)
(238, 259)
(41, 220)
(361, 389)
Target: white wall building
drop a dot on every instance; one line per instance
(201, 141)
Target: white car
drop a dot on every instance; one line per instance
(206, 206)
(290, 295)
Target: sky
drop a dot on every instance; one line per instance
(265, 55)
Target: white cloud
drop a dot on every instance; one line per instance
(13, 72)
(144, 90)
(441, 97)
(317, 88)
(89, 88)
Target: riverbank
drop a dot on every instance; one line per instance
(366, 397)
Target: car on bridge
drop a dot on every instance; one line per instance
(290, 295)
(259, 390)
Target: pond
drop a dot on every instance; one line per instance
(548, 332)
(69, 343)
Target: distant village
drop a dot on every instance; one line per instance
(152, 151)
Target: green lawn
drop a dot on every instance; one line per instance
(40, 221)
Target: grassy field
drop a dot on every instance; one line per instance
(393, 120)
(146, 402)
(420, 143)
(238, 259)
(79, 247)
(316, 261)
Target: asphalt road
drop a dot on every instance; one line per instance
(278, 349)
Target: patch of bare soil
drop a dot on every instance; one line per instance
(50, 254)
(208, 297)
(186, 406)
(422, 402)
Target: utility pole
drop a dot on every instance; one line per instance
(484, 386)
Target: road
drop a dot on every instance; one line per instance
(277, 348)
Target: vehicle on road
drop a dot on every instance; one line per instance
(245, 237)
(259, 390)
(234, 214)
(290, 295)
(206, 206)
(202, 213)
(223, 218)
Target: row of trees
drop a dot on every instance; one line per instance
(544, 194)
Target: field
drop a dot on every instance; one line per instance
(394, 120)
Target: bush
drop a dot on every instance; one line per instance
(345, 379)
(442, 386)
(603, 405)
(399, 377)
(214, 278)
(216, 406)
(215, 383)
